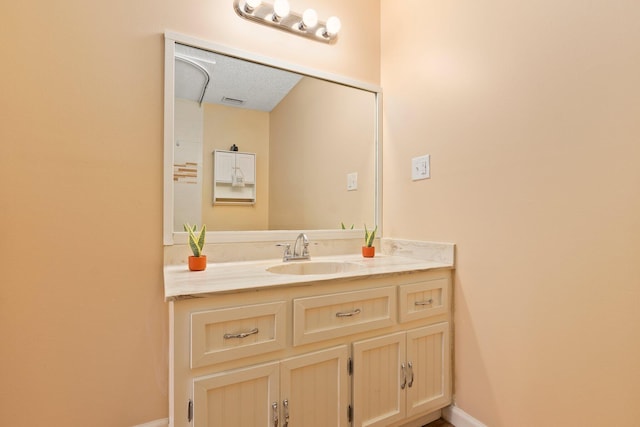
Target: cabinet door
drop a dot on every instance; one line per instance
(239, 398)
(223, 166)
(247, 164)
(379, 380)
(428, 355)
(315, 389)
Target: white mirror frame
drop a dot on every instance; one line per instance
(171, 237)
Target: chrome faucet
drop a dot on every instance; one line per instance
(303, 252)
(300, 249)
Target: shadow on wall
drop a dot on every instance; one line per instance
(464, 332)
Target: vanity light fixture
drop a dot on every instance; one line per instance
(280, 10)
(250, 5)
(279, 15)
(309, 20)
(332, 27)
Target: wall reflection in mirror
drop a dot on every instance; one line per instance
(308, 136)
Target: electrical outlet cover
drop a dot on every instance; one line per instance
(420, 167)
(352, 181)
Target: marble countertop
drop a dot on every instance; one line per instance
(180, 283)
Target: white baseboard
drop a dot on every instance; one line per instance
(459, 418)
(157, 423)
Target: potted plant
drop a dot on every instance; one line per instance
(368, 250)
(197, 261)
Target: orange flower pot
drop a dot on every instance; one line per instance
(197, 263)
(368, 251)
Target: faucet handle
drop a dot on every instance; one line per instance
(287, 250)
(287, 246)
(305, 248)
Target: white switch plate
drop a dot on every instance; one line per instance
(352, 181)
(421, 167)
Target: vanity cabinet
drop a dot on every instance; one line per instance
(310, 390)
(400, 375)
(361, 352)
(234, 177)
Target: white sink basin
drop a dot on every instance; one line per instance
(314, 267)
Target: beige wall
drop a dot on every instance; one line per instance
(530, 111)
(83, 323)
(187, 148)
(249, 130)
(312, 151)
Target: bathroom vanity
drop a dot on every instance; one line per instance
(334, 341)
(368, 345)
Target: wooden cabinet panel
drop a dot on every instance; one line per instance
(428, 352)
(236, 332)
(315, 388)
(401, 375)
(423, 299)
(378, 399)
(310, 390)
(239, 398)
(323, 317)
(247, 164)
(224, 163)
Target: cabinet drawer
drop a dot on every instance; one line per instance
(324, 317)
(423, 299)
(236, 332)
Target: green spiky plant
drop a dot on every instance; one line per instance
(344, 227)
(196, 242)
(369, 236)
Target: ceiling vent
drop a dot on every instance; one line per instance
(232, 101)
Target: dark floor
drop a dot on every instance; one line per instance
(439, 423)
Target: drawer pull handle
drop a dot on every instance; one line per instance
(348, 313)
(425, 302)
(410, 366)
(285, 405)
(241, 334)
(403, 370)
(274, 408)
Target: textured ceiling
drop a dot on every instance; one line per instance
(261, 87)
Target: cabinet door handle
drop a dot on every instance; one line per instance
(348, 313)
(425, 302)
(403, 370)
(410, 366)
(285, 406)
(241, 334)
(274, 408)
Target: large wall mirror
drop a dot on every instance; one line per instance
(315, 137)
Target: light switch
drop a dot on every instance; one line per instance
(420, 167)
(352, 181)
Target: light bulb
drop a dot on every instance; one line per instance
(309, 19)
(280, 9)
(333, 26)
(250, 5)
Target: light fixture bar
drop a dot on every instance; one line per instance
(303, 24)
